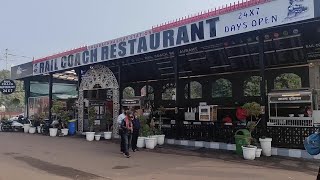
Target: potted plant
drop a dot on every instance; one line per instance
(249, 152)
(150, 141)
(153, 131)
(57, 109)
(92, 114)
(253, 111)
(39, 121)
(144, 132)
(109, 121)
(33, 119)
(64, 115)
(160, 137)
(34, 122)
(26, 126)
(251, 127)
(32, 128)
(97, 129)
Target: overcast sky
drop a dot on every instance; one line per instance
(37, 28)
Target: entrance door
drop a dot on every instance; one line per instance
(98, 77)
(102, 101)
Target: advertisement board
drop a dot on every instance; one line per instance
(255, 17)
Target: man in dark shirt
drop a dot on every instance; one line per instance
(127, 129)
(135, 134)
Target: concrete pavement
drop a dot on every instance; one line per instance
(27, 156)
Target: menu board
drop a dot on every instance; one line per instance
(214, 113)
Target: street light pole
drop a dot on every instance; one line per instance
(6, 59)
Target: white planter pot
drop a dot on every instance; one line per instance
(107, 135)
(156, 139)
(26, 128)
(97, 137)
(141, 142)
(249, 153)
(90, 136)
(53, 132)
(258, 152)
(150, 142)
(32, 130)
(266, 146)
(161, 139)
(65, 132)
(39, 129)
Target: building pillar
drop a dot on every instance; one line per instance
(79, 76)
(189, 89)
(26, 86)
(262, 83)
(50, 96)
(78, 72)
(120, 86)
(314, 77)
(179, 122)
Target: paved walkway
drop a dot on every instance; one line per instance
(40, 157)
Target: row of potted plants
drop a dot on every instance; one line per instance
(91, 135)
(38, 123)
(150, 136)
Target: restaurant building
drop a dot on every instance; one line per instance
(219, 57)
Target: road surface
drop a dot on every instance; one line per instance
(37, 157)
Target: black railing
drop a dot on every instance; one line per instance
(283, 137)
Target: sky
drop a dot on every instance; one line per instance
(39, 28)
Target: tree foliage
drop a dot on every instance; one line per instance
(169, 94)
(252, 86)
(222, 88)
(287, 81)
(14, 101)
(128, 92)
(195, 90)
(150, 92)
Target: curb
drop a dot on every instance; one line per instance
(294, 153)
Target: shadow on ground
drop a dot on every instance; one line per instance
(54, 169)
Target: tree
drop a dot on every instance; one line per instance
(221, 88)
(287, 81)
(128, 92)
(169, 94)
(195, 90)
(14, 101)
(252, 86)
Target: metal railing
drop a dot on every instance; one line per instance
(290, 121)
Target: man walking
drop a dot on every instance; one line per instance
(136, 130)
(127, 129)
(121, 118)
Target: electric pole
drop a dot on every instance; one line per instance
(6, 59)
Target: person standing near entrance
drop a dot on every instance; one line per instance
(121, 118)
(127, 129)
(136, 130)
